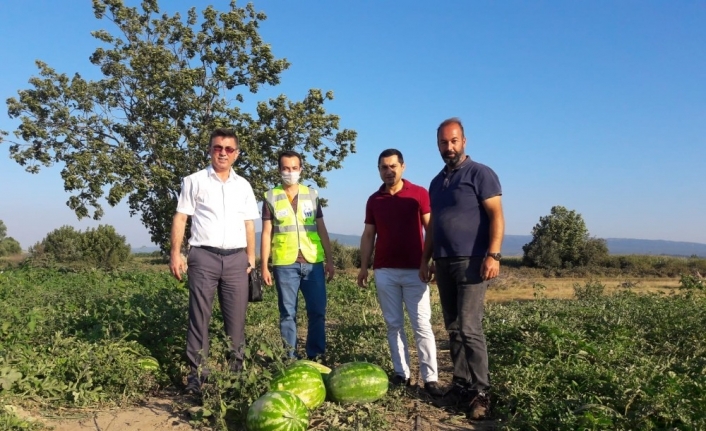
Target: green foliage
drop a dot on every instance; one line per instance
(592, 289)
(560, 240)
(101, 247)
(61, 245)
(620, 362)
(168, 81)
(10, 422)
(654, 266)
(8, 245)
(691, 282)
(75, 339)
(344, 257)
(104, 248)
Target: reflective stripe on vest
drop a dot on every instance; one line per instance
(293, 232)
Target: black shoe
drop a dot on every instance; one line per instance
(479, 407)
(459, 395)
(235, 366)
(399, 380)
(434, 389)
(194, 385)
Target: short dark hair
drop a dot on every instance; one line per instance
(289, 153)
(389, 153)
(452, 120)
(223, 132)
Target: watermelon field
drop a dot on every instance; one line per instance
(77, 342)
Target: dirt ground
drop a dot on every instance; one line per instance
(169, 411)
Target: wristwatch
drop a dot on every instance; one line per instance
(496, 256)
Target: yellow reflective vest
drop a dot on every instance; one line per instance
(293, 232)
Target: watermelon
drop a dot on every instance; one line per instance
(302, 380)
(277, 411)
(323, 369)
(148, 363)
(357, 382)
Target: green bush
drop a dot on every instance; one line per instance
(62, 245)
(104, 248)
(344, 256)
(561, 241)
(8, 245)
(591, 290)
(101, 247)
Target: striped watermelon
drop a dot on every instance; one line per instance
(323, 369)
(357, 382)
(277, 411)
(302, 380)
(148, 363)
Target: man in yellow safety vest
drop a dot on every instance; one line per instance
(293, 231)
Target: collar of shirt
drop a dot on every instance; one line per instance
(465, 161)
(383, 190)
(232, 176)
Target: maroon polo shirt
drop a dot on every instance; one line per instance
(398, 224)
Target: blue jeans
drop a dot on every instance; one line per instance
(310, 279)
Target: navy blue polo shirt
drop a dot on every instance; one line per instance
(460, 225)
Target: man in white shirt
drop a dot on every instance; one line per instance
(223, 211)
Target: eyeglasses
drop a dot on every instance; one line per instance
(219, 148)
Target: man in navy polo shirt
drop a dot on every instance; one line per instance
(397, 214)
(466, 234)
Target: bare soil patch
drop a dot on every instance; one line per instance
(162, 413)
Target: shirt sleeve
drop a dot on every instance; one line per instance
(266, 213)
(488, 183)
(369, 215)
(319, 213)
(187, 204)
(424, 203)
(250, 210)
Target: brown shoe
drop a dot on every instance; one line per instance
(479, 407)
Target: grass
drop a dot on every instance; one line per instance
(628, 354)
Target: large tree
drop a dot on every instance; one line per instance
(168, 81)
(561, 240)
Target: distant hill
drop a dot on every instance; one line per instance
(512, 245)
(352, 240)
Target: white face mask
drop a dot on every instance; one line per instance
(290, 178)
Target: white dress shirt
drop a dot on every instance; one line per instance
(218, 209)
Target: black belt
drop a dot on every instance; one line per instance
(221, 251)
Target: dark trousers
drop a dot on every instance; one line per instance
(210, 273)
(462, 295)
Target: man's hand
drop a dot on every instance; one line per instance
(177, 265)
(266, 276)
(329, 270)
(426, 272)
(363, 277)
(490, 268)
(251, 263)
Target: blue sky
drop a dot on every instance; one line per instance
(598, 106)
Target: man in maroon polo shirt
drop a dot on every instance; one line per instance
(397, 215)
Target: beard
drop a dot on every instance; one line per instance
(452, 158)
